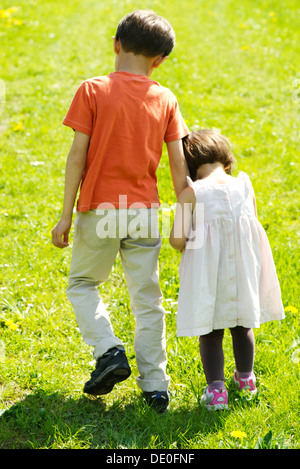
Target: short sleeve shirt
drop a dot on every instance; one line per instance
(128, 117)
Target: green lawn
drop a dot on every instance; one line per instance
(235, 67)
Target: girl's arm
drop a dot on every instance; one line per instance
(183, 219)
(252, 193)
(73, 175)
(248, 183)
(254, 203)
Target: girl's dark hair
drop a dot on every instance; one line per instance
(143, 32)
(207, 146)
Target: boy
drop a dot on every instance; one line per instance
(120, 123)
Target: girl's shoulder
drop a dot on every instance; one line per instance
(227, 182)
(187, 195)
(242, 176)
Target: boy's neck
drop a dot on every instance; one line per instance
(135, 64)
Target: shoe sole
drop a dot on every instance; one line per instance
(216, 407)
(211, 407)
(106, 381)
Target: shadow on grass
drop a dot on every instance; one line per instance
(54, 421)
(44, 420)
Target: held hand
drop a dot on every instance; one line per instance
(60, 233)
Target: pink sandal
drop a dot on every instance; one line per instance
(246, 384)
(215, 399)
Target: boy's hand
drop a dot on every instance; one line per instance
(74, 170)
(60, 233)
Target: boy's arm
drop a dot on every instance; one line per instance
(74, 170)
(178, 166)
(183, 219)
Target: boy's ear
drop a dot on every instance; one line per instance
(117, 46)
(159, 60)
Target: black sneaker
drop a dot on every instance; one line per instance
(159, 400)
(110, 369)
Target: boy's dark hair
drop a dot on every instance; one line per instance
(207, 146)
(143, 32)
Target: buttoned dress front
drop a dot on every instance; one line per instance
(228, 279)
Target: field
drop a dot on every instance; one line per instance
(235, 67)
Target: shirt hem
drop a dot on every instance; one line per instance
(76, 126)
(176, 136)
(116, 206)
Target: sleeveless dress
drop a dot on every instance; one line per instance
(229, 278)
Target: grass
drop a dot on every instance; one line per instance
(234, 68)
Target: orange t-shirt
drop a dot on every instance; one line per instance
(128, 117)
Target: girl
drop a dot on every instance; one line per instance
(227, 273)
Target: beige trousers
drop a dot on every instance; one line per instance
(97, 241)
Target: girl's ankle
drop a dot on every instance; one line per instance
(218, 384)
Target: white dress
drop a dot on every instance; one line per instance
(229, 279)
